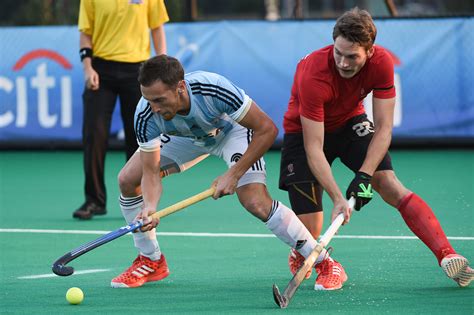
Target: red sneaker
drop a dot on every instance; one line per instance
(457, 268)
(331, 275)
(142, 270)
(295, 261)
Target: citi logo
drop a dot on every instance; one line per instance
(40, 84)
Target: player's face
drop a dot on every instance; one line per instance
(349, 57)
(163, 99)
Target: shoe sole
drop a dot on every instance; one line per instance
(465, 277)
(99, 212)
(81, 217)
(158, 277)
(454, 266)
(87, 216)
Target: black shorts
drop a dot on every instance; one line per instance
(349, 144)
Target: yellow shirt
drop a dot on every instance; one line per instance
(120, 28)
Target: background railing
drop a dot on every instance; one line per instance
(41, 78)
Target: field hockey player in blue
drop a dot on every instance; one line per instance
(180, 120)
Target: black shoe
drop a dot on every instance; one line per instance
(87, 210)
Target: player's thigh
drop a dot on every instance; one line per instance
(231, 150)
(296, 177)
(99, 104)
(357, 136)
(305, 197)
(97, 118)
(129, 95)
(179, 154)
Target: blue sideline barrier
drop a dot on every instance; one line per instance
(41, 78)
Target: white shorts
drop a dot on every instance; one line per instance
(179, 154)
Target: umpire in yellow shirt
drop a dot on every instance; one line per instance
(114, 40)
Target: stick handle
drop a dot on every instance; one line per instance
(335, 225)
(184, 203)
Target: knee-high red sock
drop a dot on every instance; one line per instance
(421, 220)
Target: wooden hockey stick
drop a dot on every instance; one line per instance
(284, 299)
(59, 266)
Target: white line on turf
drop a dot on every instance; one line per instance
(52, 275)
(190, 234)
(52, 231)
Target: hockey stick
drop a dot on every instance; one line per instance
(59, 266)
(284, 299)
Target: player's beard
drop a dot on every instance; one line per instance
(168, 115)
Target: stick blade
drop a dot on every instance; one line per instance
(59, 266)
(62, 270)
(280, 300)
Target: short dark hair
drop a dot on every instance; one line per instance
(161, 68)
(356, 26)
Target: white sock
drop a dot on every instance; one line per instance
(284, 223)
(145, 242)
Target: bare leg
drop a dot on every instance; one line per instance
(130, 176)
(281, 220)
(313, 222)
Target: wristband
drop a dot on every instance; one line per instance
(85, 53)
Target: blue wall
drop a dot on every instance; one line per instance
(41, 78)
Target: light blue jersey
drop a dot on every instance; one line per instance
(217, 105)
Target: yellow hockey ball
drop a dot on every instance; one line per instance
(74, 295)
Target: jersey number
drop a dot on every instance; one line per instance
(164, 139)
(363, 129)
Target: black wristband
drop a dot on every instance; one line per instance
(85, 53)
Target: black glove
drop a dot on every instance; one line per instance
(361, 189)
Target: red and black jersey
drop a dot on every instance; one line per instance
(319, 92)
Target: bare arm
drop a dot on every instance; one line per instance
(85, 41)
(159, 40)
(151, 186)
(91, 77)
(264, 134)
(313, 133)
(383, 120)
